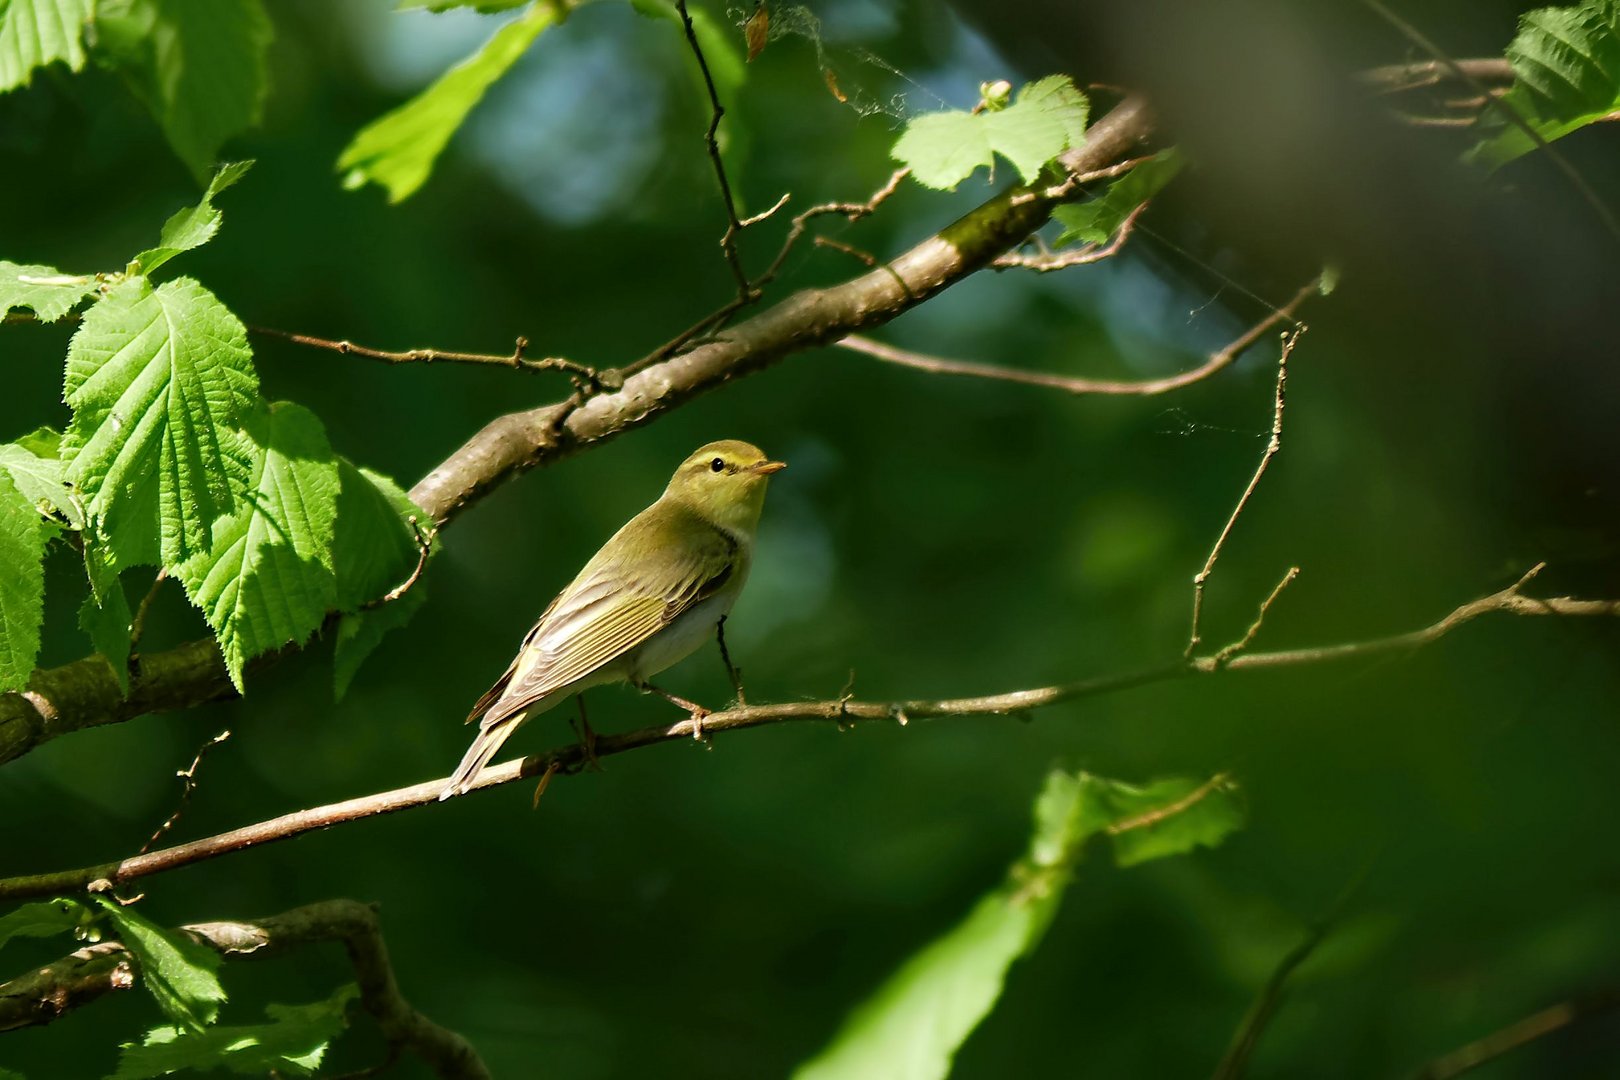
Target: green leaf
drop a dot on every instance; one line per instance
(34, 33)
(105, 614)
(485, 6)
(46, 291)
(292, 1043)
(199, 66)
(178, 970)
(1095, 221)
(1566, 66)
(159, 380)
(7, 1074)
(398, 149)
(374, 551)
(1166, 817)
(37, 472)
(267, 579)
(44, 918)
(23, 533)
(911, 1028)
(943, 149)
(195, 225)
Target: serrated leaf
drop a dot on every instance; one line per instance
(292, 1043)
(1566, 67)
(44, 290)
(177, 970)
(1095, 221)
(267, 579)
(199, 66)
(104, 616)
(34, 33)
(195, 225)
(23, 533)
(912, 1027)
(159, 380)
(44, 918)
(943, 149)
(398, 149)
(39, 476)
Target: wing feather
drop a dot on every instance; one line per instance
(605, 613)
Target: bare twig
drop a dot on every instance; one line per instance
(1545, 1022)
(1399, 78)
(841, 711)
(48, 993)
(1273, 445)
(1158, 814)
(1572, 174)
(599, 380)
(1044, 261)
(188, 776)
(1227, 652)
(137, 625)
(732, 671)
(746, 290)
(424, 549)
(1217, 361)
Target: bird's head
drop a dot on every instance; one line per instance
(724, 482)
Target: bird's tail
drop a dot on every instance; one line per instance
(484, 746)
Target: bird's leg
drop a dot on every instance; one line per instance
(587, 736)
(731, 669)
(693, 709)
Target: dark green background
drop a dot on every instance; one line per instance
(714, 913)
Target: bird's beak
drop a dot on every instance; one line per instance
(765, 468)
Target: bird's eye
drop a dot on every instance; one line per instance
(718, 465)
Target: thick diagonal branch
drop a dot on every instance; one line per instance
(50, 992)
(841, 711)
(86, 694)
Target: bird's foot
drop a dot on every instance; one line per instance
(695, 712)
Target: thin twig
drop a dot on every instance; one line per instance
(1227, 652)
(188, 776)
(424, 548)
(599, 380)
(1572, 174)
(1044, 262)
(1236, 1059)
(841, 711)
(746, 290)
(1273, 445)
(732, 670)
(1545, 1022)
(1399, 78)
(137, 625)
(1217, 361)
(1158, 814)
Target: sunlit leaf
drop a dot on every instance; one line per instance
(44, 918)
(159, 380)
(46, 291)
(1048, 117)
(178, 970)
(911, 1028)
(23, 533)
(267, 578)
(398, 149)
(291, 1043)
(36, 469)
(1566, 67)
(34, 33)
(195, 225)
(375, 551)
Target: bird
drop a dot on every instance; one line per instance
(648, 599)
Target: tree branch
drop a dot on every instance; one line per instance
(48, 993)
(1545, 1022)
(1217, 361)
(842, 711)
(86, 694)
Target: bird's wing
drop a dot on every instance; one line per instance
(606, 612)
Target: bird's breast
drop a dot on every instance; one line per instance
(684, 635)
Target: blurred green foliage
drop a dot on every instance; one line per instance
(716, 913)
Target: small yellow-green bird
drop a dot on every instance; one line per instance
(654, 593)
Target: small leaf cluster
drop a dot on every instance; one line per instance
(172, 459)
(182, 975)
